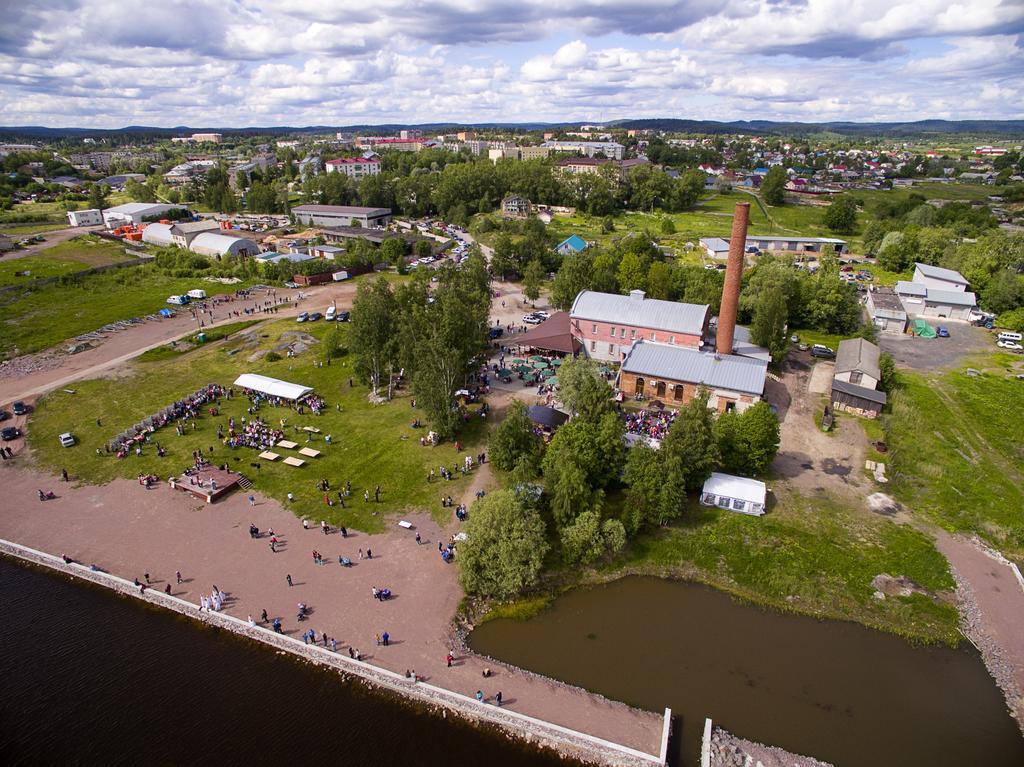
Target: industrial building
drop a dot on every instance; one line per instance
(91, 217)
(135, 213)
(718, 247)
(220, 245)
(341, 215)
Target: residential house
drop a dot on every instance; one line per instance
(515, 206)
(856, 378)
(886, 310)
(354, 167)
(571, 244)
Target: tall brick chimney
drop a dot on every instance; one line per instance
(733, 276)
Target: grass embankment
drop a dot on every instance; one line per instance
(812, 556)
(22, 230)
(38, 318)
(956, 453)
(372, 444)
(74, 255)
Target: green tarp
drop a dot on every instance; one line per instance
(922, 329)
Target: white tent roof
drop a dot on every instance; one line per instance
(272, 386)
(736, 487)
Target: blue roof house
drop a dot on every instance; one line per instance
(573, 244)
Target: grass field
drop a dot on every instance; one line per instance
(372, 444)
(68, 257)
(956, 451)
(187, 343)
(82, 304)
(21, 230)
(811, 556)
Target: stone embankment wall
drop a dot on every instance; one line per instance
(571, 743)
(723, 749)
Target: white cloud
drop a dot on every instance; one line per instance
(211, 62)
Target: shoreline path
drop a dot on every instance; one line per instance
(128, 531)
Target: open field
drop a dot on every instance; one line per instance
(187, 343)
(83, 304)
(372, 444)
(22, 230)
(956, 451)
(814, 556)
(68, 257)
(931, 191)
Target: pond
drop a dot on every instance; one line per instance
(829, 689)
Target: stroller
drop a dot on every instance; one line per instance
(344, 561)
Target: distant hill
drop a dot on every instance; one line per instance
(920, 128)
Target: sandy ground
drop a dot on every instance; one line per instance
(810, 460)
(129, 531)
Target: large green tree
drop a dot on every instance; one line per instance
(584, 392)
(373, 338)
(748, 441)
(773, 188)
(504, 547)
(769, 326)
(689, 455)
(514, 439)
(841, 216)
(532, 277)
(573, 276)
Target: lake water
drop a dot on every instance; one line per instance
(87, 677)
(833, 690)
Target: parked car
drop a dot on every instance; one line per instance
(4, 415)
(542, 314)
(532, 319)
(314, 317)
(343, 316)
(846, 268)
(66, 439)
(1011, 345)
(794, 339)
(495, 333)
(291, 284)
(942, 331)
(302, 317)
(19, 408)
(11, 432)
(331, 314)
(822, 351)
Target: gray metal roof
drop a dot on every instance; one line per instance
(342, 210)
(206, 225)
(905, 288)
(680, 363)
(213, 244)
(858, 354)
(951, 297)
(640, 312)
(716, 244)
(157, 234)
(938, 273)
(862, 392)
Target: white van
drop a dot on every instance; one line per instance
(178, 300)
(1006, 335)
(197, 294)
(331, 313)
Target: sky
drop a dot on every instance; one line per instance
(237, 63)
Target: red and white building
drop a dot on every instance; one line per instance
(607, 325)
(356, 167)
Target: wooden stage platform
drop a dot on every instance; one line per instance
(200, 483)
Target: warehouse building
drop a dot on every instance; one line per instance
(341, 215)
(91, 217)
(134, 213)
(220, 245)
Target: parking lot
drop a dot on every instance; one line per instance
(938, 353)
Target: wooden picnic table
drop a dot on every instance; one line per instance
(311, 429)
(287, 444)
(293, 461)
(309, 452)
(266, 455)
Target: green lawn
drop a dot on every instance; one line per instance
(372, 444)
(81, 305)
(68, 257)
(187, 343)
(956, 453)
(21, 230)
(811, 556)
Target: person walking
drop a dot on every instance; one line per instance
(252, 500)
(376, 494)
(497, 699)
(177, 574)
(289, 579)
(479, 696)
(64, 474)
(384, 638)
(449, 658)
(366, 496)
(418, 539)
(263, 617)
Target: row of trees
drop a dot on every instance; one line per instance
(434, 336)
(567, 481)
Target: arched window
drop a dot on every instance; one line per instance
(640, 387)
(661, 389)
(677, 392)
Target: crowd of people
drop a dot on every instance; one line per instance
(255, 433)
(653, 424)
(183, 410)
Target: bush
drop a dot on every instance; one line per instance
(272, 357)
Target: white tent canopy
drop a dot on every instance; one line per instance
(734, 493)
(272, 386)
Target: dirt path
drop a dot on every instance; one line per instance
(993, 613)
(54, 237)
(129, 531)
